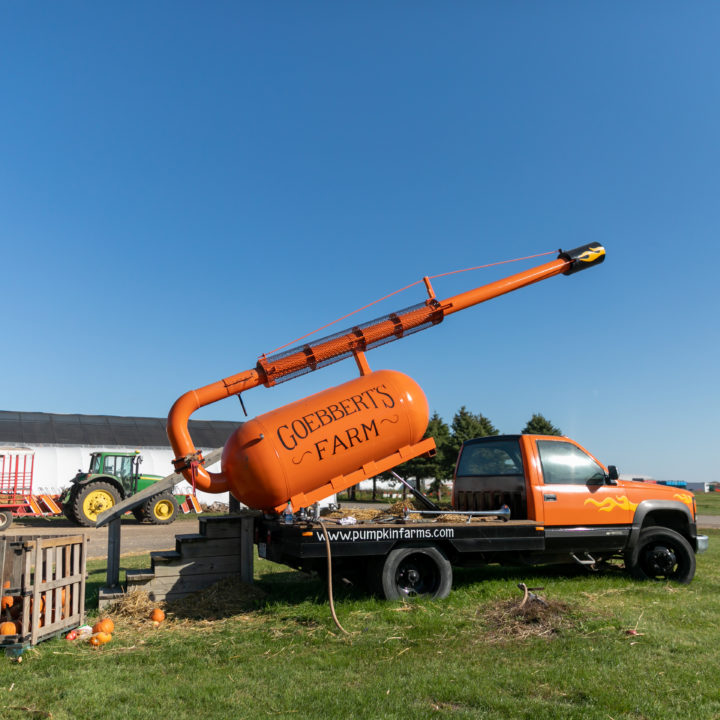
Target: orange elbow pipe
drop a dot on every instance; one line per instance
(179, 435)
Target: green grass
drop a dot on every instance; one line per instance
(451, 659)
(708, 503)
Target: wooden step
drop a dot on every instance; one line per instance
(217, 527)
(163, 557)
(139, 576)
(222, 549)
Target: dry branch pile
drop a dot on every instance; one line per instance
(518, 619)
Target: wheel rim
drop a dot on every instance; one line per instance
(417, 575)
(661, 561)
(163, 509)
(97, 501)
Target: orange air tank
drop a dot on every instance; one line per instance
(288, 453)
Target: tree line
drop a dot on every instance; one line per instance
(448, 439)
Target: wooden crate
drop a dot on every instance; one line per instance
(45, 576)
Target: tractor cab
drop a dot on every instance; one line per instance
(123, 466)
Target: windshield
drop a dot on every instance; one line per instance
(95, 466)
(119, 465)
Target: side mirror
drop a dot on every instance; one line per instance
(612, 475)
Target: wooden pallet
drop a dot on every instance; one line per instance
(45, 575)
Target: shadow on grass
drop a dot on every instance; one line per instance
(291, 588)
(464, 577)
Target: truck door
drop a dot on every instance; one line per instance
(574, 489)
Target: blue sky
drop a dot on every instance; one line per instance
(184, 186)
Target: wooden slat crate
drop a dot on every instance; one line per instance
(45, 576)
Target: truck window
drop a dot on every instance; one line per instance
(566, 464)
(493, 457)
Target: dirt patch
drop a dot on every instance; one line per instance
(518, 619)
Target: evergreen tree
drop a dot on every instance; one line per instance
(540, 425)
(440, 466)
(466, 426)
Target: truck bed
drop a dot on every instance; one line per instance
(300, 544)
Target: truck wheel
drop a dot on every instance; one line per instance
(91, 500)
(416, 572)
(161, 509)
(6, 519)
(661, 554)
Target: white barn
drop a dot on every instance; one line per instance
(63, 443)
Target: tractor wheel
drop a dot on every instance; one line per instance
(161, 509)
(139, 514)
(6, 519)
(68, 507)
(93, 499)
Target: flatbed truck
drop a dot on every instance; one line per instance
(563, 505)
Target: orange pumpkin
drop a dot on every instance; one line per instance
(7, 602)
(8, 628)
(106, 625)
(100, 638)
(157, 615)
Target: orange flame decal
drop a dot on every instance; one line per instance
(684, 498)
(609, 504)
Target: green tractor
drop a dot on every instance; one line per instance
(112, 477)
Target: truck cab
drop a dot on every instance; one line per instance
(587, 512)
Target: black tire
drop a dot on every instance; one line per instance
(160, 509)
(661, 554)
(413, 572)
(139, 514)
(6, 518)
(68, 507)
(92, 499)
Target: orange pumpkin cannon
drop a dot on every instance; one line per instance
(325, 443)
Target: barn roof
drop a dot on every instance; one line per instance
(36, 428)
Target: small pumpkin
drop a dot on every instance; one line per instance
(157, 615)
(105, 625)
(8, 628)
(7, 602)
(100, 638)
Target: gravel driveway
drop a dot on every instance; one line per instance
(135, 537)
